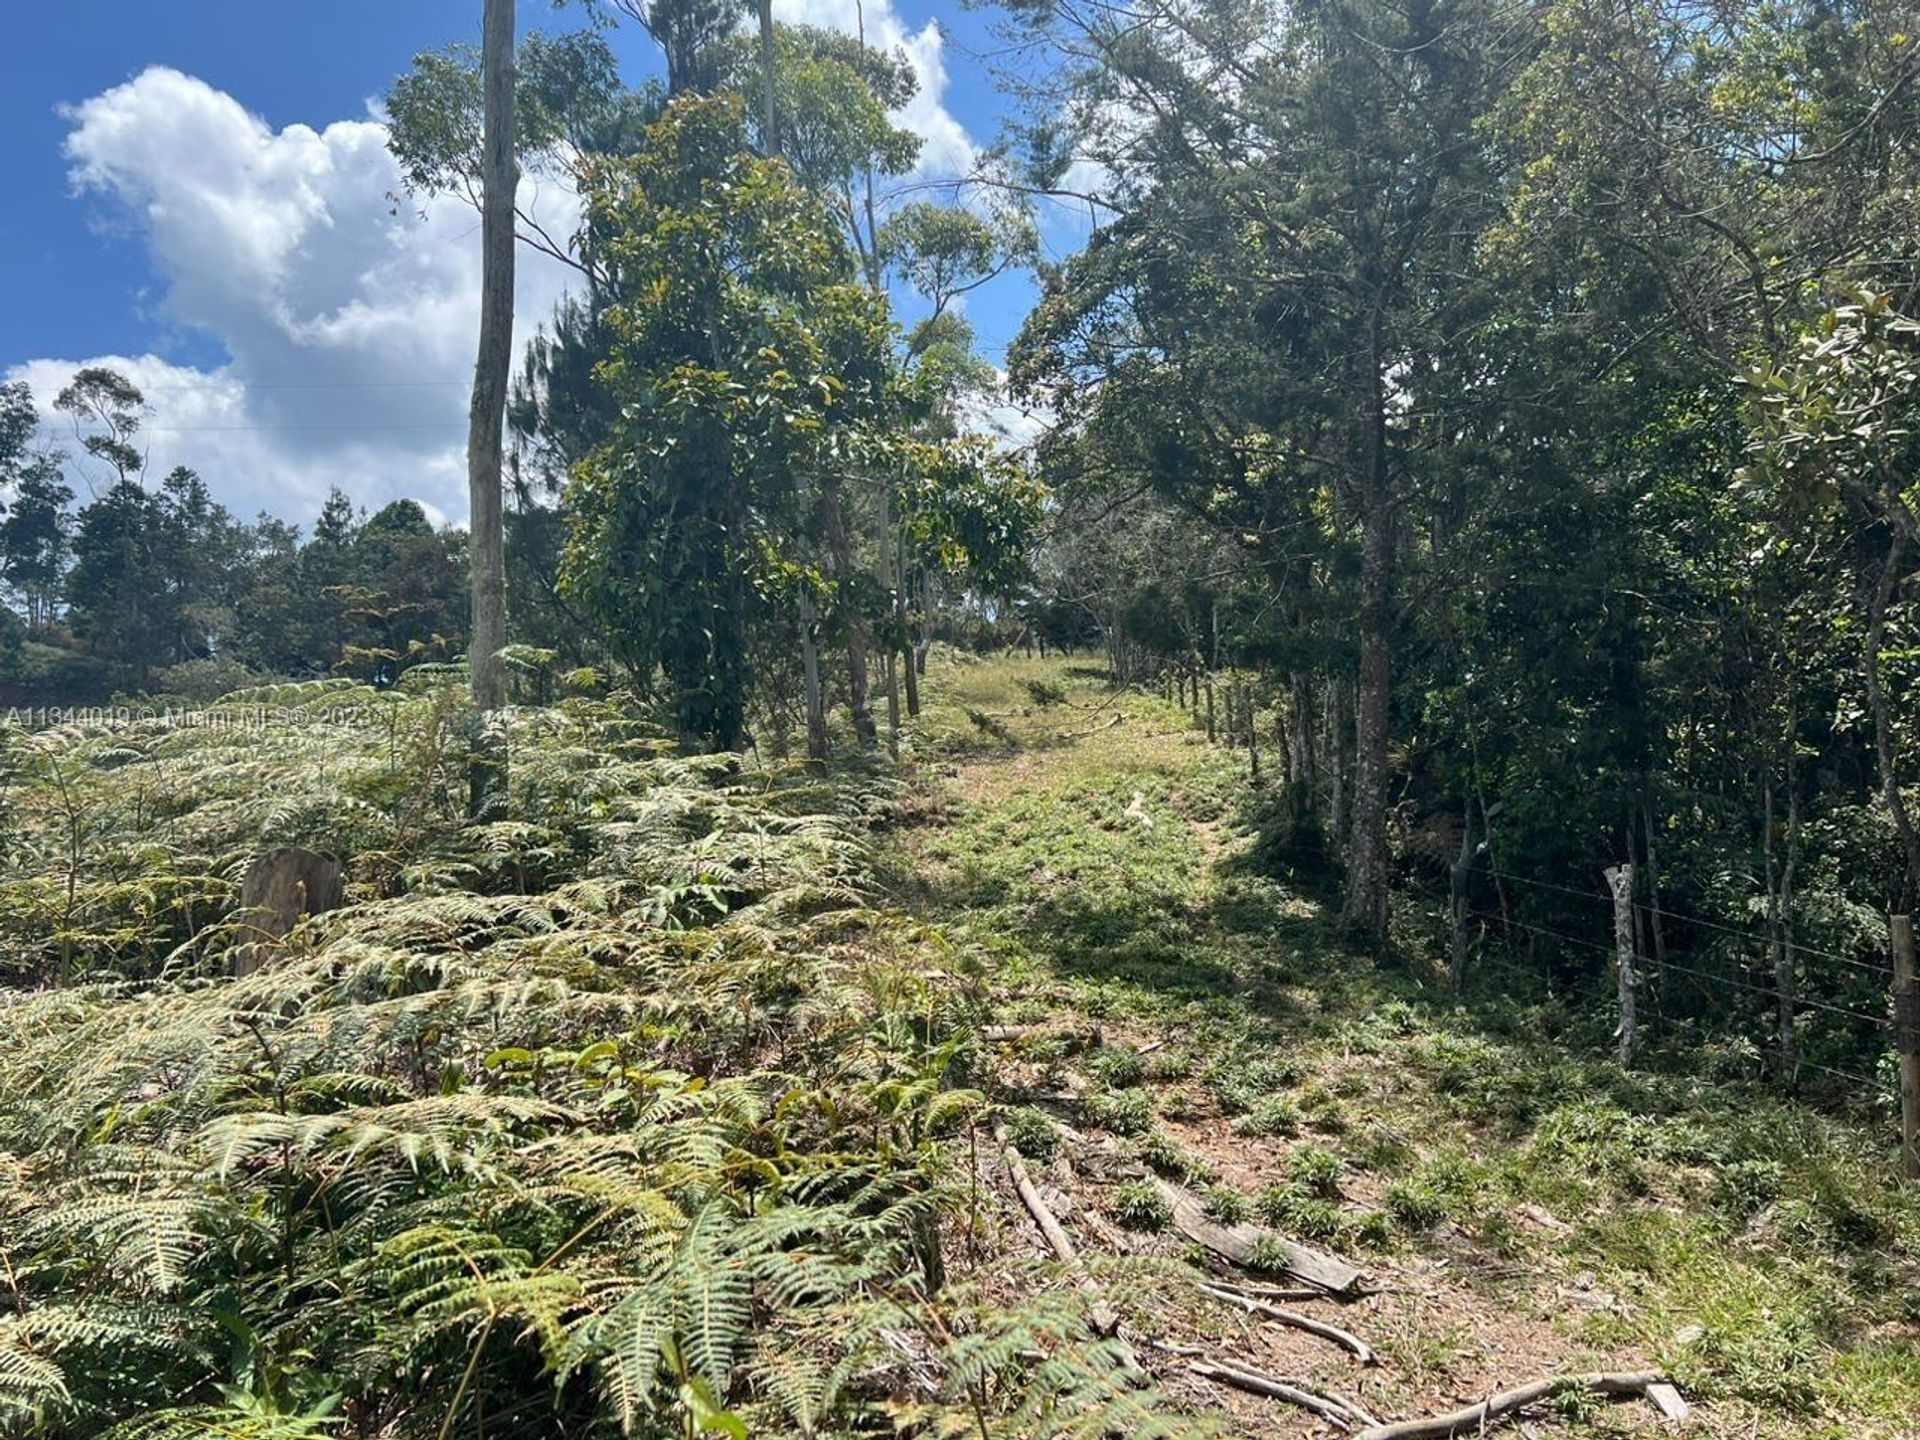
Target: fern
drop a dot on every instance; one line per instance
(630, 1099)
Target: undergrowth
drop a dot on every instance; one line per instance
(1758, 1247)
(631, 1107)
(653, 1101)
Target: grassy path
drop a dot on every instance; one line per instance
(1521, 1205)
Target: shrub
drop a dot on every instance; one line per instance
(1139, 1205)
(1125, 1112)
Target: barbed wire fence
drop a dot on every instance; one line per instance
(1876, 1014)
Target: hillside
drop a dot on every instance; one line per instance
(670, 1099)
(1520, 1205)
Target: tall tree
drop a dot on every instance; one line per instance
(492, 366)
(749, 361)
(1299, 192)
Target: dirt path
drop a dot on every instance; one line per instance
(1097, 853)
(1094, 855)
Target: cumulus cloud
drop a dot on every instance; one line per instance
(349, 316)
(949, 151)
(348, 311)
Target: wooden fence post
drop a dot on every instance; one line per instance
(1253, 733)
(1906, 1039)
(1620, 881)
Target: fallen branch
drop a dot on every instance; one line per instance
(1082, 1037)
(1342, 1413)
(1359, 1348)
(1057, 1238)
(1475, 1418)
(1092, 729)
(1105, 1321)
(1273, 1293)
(1241, 1243)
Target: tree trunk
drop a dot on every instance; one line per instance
(1250, 714)
(859, 639)
(1340, 704)
(1457, 880)
(1883, 738)
(890, 571)
(1653, 892)
(1306, 778)
(486, 417)
(903, 618)
(924, 643)
(769, 119)
(1365, 915)
(810, 668)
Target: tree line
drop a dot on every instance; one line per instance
(1520, 400)
(158, 588)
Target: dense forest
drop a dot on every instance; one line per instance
(810, 916)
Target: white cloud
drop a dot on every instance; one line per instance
(998, 415)
(348, 311)
(349, 316)
(949, 151)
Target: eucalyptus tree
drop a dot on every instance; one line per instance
(833, 103)
(499, 184)
(107, 411)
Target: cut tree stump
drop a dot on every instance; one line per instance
(280, 889)
(1240, 1243)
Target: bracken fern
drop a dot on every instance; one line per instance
(623, 1107)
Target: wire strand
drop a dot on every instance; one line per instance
(1657, 967)
(1758, 939)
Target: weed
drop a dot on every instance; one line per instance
(1274, 1115)
(1747, 1186)
(1317, 1171)
(1170, 1157)
(1033, 1134)
(1415, 1205)
(1178, 1105)
(1321, 1107)
(1124, 1112)
(1384, 1151)
(1300, 1213)
(1139, 1205)
(1227, 1205)
(1169, 1064)
(1119, 1069)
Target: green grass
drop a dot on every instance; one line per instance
(1126, 873)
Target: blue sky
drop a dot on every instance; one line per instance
(196, 191)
